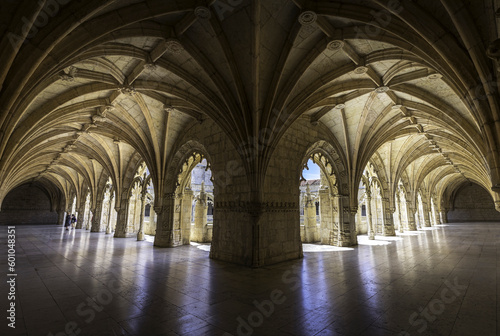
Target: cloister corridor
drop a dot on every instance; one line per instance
(376, 288)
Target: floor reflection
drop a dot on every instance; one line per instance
(373, 289)
(378, 241)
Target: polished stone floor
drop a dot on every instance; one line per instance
(439, 281)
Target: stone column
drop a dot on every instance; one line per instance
(88, 222)
(369, 215)
(310, 226)
(418, 218)
(347, 224)
(164, 226)
(60, 217)
(436, 215)
(152, 223)
(427, 220)
(388, 218)
(398, 201)
(444, 216)
(121, 220)
(335, 234)
(411, 216)
(110, 209)
(350, 231)
(359, 220)
(96, 219)
(200, 217)
(325, 206)
(132, 212)
(79, 218)
(185, 220)
(375, 214)
(140, 232)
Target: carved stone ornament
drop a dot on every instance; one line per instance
(98, 118)
(307, 18)
(202, 12)
(493, 50)
(127, 90)
(150, 66)
(361, 70)
(66, 78)
(382, 89)
(335, 45)
(173, 46)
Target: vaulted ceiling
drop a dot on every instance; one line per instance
(85, 86)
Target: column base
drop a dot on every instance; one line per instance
(164, 240)
(345, 244)
(199, 235)
(140, 236)
(389, 232)
(124, 235)
(412, 228)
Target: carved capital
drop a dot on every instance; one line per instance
(173, 46)
(98, 118)
(66, 78)
(493, 50)
(168, 108)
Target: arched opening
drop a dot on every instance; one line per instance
(108, 217)
(202, 205)
(86, 213)
(27, 204)
(194, 202)
(472, 203)
(402, 214)
(135, 206)
(73, 207)
(362, 214)
(150, 216)
(434, 212)
(370, 204)
(309, 197)
(318, 200)
(140, 195)
(378, 217)
(420, 211)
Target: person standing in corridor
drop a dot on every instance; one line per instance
(67, 222)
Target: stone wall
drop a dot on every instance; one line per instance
(472, 203)
(27, 205)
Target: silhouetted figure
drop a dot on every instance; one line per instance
(73, 221)
(67, 222)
